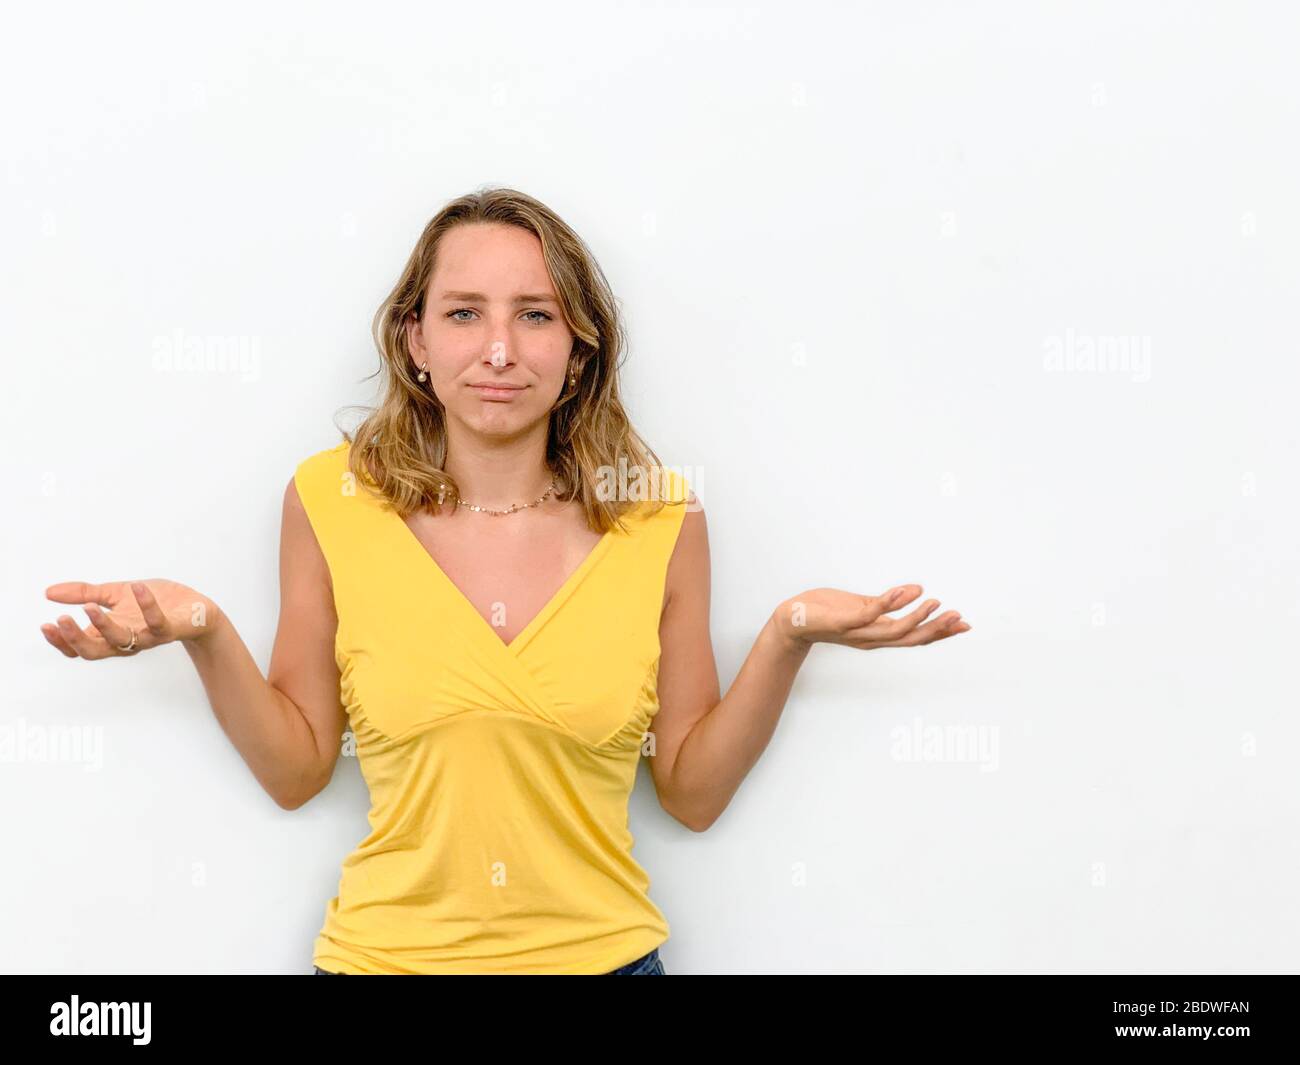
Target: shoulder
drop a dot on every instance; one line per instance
(320, 476)
(656, 499)
(661, 485)
(689, 564)
(676, 485)
(678, 497)
(322, 467)
(330, 458)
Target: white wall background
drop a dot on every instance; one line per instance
(847, 239)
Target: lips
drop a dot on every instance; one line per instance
(499, 392)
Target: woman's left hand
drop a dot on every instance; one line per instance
(828, 615)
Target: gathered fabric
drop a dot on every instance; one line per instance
(499, 773)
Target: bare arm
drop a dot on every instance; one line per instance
(706, 745)
(286, 726)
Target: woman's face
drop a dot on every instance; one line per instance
(491, 318)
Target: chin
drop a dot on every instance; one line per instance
(500, 419)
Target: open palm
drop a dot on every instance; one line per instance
(154, 612)
(829, 615)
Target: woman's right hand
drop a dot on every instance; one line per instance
(156, 611)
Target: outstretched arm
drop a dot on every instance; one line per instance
(286, 725)
(705, 745)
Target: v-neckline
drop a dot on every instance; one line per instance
(549, 608)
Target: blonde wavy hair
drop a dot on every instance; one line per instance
(401, 446)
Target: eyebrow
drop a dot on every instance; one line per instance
(478, 297)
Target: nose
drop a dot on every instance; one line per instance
(498, 353)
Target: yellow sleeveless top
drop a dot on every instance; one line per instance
(499, 775)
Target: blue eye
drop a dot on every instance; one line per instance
(465, 310)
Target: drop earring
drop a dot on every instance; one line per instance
(422, 376)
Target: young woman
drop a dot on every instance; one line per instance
(496, 584)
